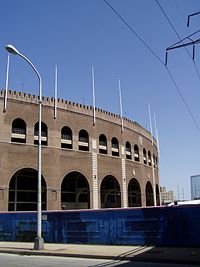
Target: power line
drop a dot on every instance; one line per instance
(135, 33)
(158, 58)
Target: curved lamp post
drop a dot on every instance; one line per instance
(39, 242)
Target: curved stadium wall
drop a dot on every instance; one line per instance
(84, 166)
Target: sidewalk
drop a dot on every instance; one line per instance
(132, 253)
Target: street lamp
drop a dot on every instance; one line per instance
(39, 241)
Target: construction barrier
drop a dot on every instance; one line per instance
(164, 226)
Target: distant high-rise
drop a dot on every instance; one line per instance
(195, 186)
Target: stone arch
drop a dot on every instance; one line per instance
(110, 192)
(75, 191)
(23, 188)
(134, 194)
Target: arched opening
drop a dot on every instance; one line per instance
(18, 131)
(144, 156)
(110, 193)
(154, 161)
(115, 147)
(128, 150)
(136, 153)
(66, 137)
(44, 134)
(83, 139)
(75, 192)
(149, 158)
(23, 190)
(157, 196)
(149, 194)
(134, 194)
(103, 144)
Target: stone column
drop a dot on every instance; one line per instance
(95, 194)
(124, 185)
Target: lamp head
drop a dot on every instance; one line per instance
(11, 49)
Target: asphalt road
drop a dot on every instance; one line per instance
(10, 260)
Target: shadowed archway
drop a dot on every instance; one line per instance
(110, 193)
(75, 192)
(23, 190)
(149, 194)
(134, 194)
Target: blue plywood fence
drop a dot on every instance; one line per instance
(165, 226)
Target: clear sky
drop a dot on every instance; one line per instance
(76, 34)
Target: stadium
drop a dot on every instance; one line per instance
(84, 165)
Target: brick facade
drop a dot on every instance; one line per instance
(57, 162)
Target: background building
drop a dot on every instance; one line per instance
(195, 187)
(83, 165)
(166, 196)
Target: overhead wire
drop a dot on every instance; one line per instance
(158, 58)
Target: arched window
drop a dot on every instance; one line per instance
(110, 193)
(144, 156)
(103, 144)
(18, 131)
(136, 153)
(134, 194)
(157, 196)
(66, 137)
(23, 189)
(75, 192)
(149, 158)
(128, 150)
(154, 161)
(115, 147)
(149, 194)
(83, 139)
(44, 134)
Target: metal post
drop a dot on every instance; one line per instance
(39, 241)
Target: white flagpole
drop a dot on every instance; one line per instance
(56, 92)
(93, 97)
(156, 130)
(158, 146)
(6, 89)
(152, 160)
(120, 102)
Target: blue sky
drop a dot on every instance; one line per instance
(76, 34)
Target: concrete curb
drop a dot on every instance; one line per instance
(139, 258)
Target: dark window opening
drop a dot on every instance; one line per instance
(115, 147)
(128, 150)
(18, 131)
(66, 137)
(44, 134)
(136, 153)
(103, 144)
(144, 156)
